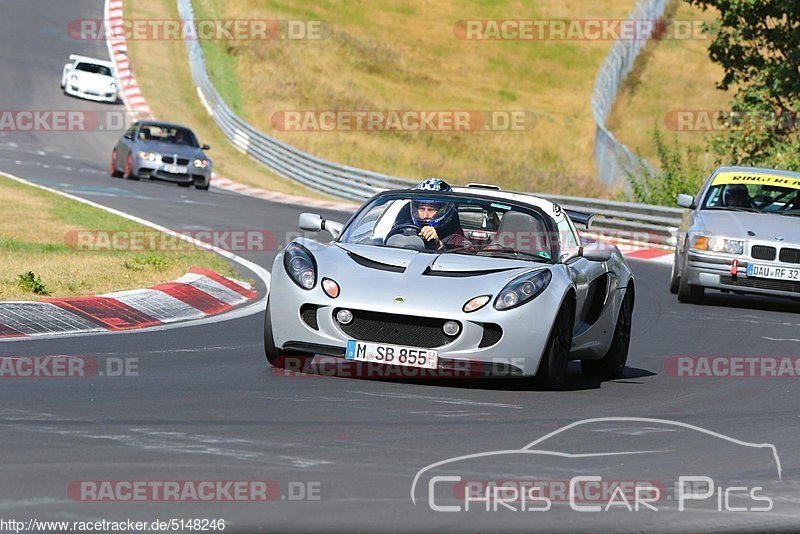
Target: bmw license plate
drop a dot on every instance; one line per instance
(392, 354)
(175, 169)
(773, 272)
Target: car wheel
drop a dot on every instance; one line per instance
(112, 170)
(203, 187)
(612, 365)
(182, 184)
(277, 357)
(552, 371)
(128, 173)
(689, 293)
(675, 276)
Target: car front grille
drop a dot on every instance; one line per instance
(761, 283)
(167, 159)
(761, 252)
(396, 329)
(309, 314)
(790, 255)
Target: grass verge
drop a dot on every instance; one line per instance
(42, 258)
(404, 56)
(671, 75)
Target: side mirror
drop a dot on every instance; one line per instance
(128, 135)
(597, 254)
(205, 147)
(685, 201)
(313, 222)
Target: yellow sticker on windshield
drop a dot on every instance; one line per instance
(725, 178)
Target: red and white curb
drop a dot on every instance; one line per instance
(197, 294)
(118, 50)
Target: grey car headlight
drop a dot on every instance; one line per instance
(200, 163)
(522, 289)
(718, 244)
(300, 266)
(149, 156)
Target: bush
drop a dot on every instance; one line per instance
(681, 172)
(33, 283)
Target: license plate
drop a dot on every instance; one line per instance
(773, 272)
(175, 169)
(392, 354)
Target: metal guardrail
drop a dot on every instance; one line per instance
(614, 160)
(358, 184)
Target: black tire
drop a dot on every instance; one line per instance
(688, 293)
(277, 357)
(182, 184)
(552, 372)
(612, 365)
(675, 276)
(203, 187)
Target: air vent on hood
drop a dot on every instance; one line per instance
(463, 274)
(372, 264)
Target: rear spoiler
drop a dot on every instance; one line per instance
(580, 218)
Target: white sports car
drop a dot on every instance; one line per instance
(89, 78)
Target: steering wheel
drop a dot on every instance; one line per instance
(403, 229)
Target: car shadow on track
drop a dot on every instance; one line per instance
(749, 302)
(575, 380)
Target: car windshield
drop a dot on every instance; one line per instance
(756, 198)
(93, 68)
(167, 134)
(449, 223)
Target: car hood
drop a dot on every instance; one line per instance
(92, 80)
(744, 225)
(170, 149)
(429, 283)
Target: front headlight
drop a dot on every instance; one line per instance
(149, 156)
(300, 266)
(201, 163)
(73, 78)
(112, 85)
(719, 244)
(522, 289)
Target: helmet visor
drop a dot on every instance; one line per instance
(425, 211)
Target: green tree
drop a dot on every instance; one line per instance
(757, 43)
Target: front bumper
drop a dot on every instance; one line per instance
(155, 171)
(713, 271)
(511, 342)
(107, 96)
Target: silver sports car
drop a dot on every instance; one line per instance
(161, 151)
(740, 234)
(474, 277)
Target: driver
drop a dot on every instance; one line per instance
(440, 227)
(737, 196)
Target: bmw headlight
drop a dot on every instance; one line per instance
(149, 156)
(200, 163)
(112, 85)
(719, 244)
(522, 289)
(300, 266)
(73, 78)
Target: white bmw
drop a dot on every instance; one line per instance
(89, 78)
